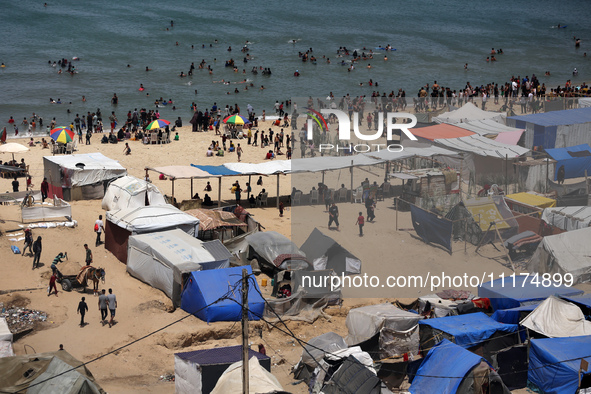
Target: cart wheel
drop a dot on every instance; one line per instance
(66, 285)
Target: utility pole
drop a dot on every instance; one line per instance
(245, 347)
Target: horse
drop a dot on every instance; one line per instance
(94, 275)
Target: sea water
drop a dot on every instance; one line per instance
(433, 41)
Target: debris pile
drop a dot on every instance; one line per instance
(21, 319)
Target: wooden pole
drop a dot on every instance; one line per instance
(465, 234)
(172, 187)
(506, 250)
(506, 174)
(484, 236)
(219, 192)
(245, 347)
(192, 194)
(277, 204)
(351, 171)
(396, 207)
(249, 187)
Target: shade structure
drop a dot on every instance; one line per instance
(236, 120)
(158, 124)
(13, 147)
(62, 134)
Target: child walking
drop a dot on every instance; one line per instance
(360, 222)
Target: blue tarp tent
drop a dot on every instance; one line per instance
(506, 294)
(575, 159)
(548, 369)
(468, 330)
(583, 301)
(443, 369)
(204, 287)
(216, 170)
(513, 315)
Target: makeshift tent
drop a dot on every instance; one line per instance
(440, 132)
(471, 331)
(31, 372)
(122, 223)
(431, 228)
(564, 253)
(554, 129)
(467, 113)
(352, 377)
(568, 218)
(131, 192)
(513, 315)
(450, 369)
(554, 363)
(555, 317)
(203, 288)
(161, 259)
(535, 174)
(210, 219)
(583, 301)
(325, 253)
(488, 128)
(43, 211)
(576, 160)
(260, 380)
(315, 350)
(5, 339)
(531, 199)
(198, 371)
(509, 292)
(80, 177)
(275, 251)
(396, 331)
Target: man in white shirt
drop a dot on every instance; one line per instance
(99, 228)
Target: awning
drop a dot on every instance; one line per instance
(210, 219)
(510, 137)
(482, 146)
(216, 170)
(402, 175)
(181, 172)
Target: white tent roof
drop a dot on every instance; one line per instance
(482, 146)
(5, 334)
(130, 192)
(486, 127)
(469, 112)
(584, 102)
(568, 218)
(260, 380)
(365, 322)
(266, 168)
(557, 318)
(328, 163)
(84, 169)
(568, 252)
(411, 151)
(151, 218)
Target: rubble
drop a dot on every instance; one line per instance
(21, 319)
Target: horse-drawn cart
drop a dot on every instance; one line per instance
(80, 279)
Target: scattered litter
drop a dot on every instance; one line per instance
(21, 319)
(14, 234)
(168, 377)
(16, 239)
(72, 223)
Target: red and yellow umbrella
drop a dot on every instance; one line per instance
(62, 134)
(158, 124)
(236, 119)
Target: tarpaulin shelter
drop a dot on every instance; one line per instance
(203, 288)
(326, 253)
(569, 252)
(260, 380)
(557, 318)
(568, 218)
(575, 159)
(554, 129)
(431, 228)
(80, 177)
(275, 251)
(451, 369)
(224, 224)
(199, 371)
(583, 301)
(395, 331)
(131, 192)
(352, 377)
(467, 113)
(492, 209)
(488, 128)
(162, 259)
(509, 292)
(122, 223)
(554, 363)
(31, 373)
(315, 350)
(40, 211)
(531, 199)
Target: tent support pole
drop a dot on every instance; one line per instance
(504, 247)
(465, 234)
(396, 206)
(173, 188)
(192, 188)
(249, 187)
(245, 347)
(219, 192)
(484, 236)
(506, 174)
(277, 191)
(351, 170)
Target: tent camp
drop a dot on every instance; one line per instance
(275, 252)
(504, 293)
(469, 112)
(575, 159)
(30, 373)
(325, 253)
(203, 288)
(557, 318)
(566, 253)
(198, 371)
(122, 223)
(554, 364)
(131, 192)
(315, 350)
(450, 369)
(261, 381)
(394, 331)
(554, 129)
(162, 259)
(568, 218)
(80, 177)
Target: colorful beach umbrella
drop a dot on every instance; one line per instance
(62, 134)
(158, 124)
(236, 119)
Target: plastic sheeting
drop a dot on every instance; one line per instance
(532, 199)
(82, 169)
(469, 112)
(483, 146)
(488, 127)
(270, 244)
(153, 218)
(576, 160)
(568, 218)
(131, 192)
(5, 334)
(431, 228)
(568, 252)
(325, 253)
(554, 363)
(260, 380)
(317, 348)
(61, 209)
(555, 317)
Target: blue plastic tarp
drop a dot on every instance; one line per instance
(216, 170)
(557, 118)
(548, 368)
(504, 293)
(431, 228)
(205, 287)
(471, 329)
(512, 316)
(443, 369)
(575, 159)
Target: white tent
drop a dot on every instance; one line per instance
(487, 127)
(80, 177)
(160, 259)
(260, 380)
(584, 102)
(131, 192)
(469, 112)
(482, 146)
(564, 253)
(568, 218)
(557, 318)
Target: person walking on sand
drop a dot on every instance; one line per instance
(98, 228)
(28, 242)
(112, 302)
(333, 215)
(239, 151)
(37, 247)
(360, 222)
(44, 189)
(102, 304)
(52, 285)
(82, 309)
(88, 255)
